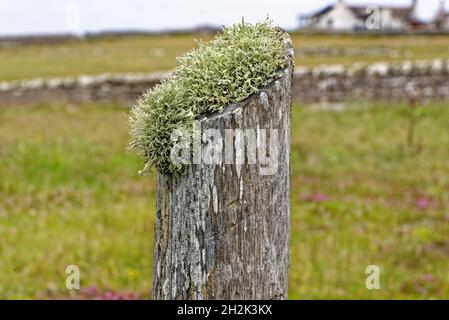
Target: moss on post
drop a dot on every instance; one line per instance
(237, 63)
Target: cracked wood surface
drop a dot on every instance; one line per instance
(223, 231)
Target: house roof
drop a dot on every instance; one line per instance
(403, 13)
(323, 11)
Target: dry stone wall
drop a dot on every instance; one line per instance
(326, 83)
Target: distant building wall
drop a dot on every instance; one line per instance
(344, 17)
(390, 22)
(445, 23)
(340, 18)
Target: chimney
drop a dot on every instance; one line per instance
(441, 10)
(439, 17)
(339, 2)
(442, 6)
(414, 12)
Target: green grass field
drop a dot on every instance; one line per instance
(158, 53)
(70, 194)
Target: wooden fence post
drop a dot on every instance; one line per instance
(222, 231)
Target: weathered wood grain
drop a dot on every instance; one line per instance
(223, 231)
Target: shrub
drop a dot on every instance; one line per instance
(240, 61)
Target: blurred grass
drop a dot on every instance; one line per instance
(70, 194)
(159, 52)
(94, 56)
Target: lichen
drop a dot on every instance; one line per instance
(240, 61)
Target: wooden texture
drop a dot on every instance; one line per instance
(223, 231)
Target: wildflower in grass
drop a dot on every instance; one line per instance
(315, 197)
(132, 274)
(425, 203)
(93, 293)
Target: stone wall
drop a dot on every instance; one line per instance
(330, 83)
(388, 82)
(124, 88)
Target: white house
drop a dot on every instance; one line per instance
(344, 17)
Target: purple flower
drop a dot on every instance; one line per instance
(315, 197)
(428, 278)
(93, 293)
(424, 203)
(90, 291)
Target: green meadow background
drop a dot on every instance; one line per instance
(362, 193)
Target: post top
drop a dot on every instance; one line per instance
(239, 62)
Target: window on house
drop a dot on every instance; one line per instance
(330, 22)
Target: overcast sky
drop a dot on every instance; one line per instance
(78, 16)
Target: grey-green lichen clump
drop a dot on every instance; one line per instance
(240, 61)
